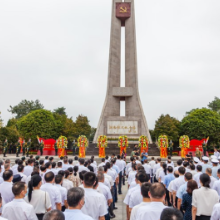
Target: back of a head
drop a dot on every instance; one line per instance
(89, 179)
(49, 177)
(58, 179)
(20, 168)
(142, 177)
(67, 173)
(205, 180)
(118, 157)
(188, 176)
(81, 175)
(81, 161)
(179, 162)
(62, 173)
(48, 164)
(74, 196)
(53, 164)
(159, 160)
(181, 170)
(171, 214)
(54, 215)
(100, 176)
(191, 185)
(65, 160)
(41, 162)
(7, 175)
(70, 161)
(185, 164)
(103, 160)
(59, 164)
(199, 168)
(18, 187)
(209, 171)
(145, 187)
(170, 169)
(43, 168)
(75, 158)
(30, 161)
(192, 167)
(157, 190)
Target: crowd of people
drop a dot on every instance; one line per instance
(37, 188)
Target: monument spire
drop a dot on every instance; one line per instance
(133, 124)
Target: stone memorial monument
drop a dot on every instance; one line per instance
(134, 123)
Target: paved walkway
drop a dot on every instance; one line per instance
(121, 211)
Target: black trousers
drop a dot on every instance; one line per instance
(40, 216)
(203, 217)
(120, 182)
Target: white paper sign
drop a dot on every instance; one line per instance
(122, 127)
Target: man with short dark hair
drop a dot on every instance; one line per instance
(197, 175)
(65, 164)
(216, 185)
(171, 214)
(54, 193)
(177, 183)
(21, 173)
(54, 215)
(81, 166)
(95, 204)
(213, 179)
(182, 189)
(29, 168)
(157, 193)
(18, 209)
(6, 187)
(75, 199)
(145, 187)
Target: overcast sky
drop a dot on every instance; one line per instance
(57, 52)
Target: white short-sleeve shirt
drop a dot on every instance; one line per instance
(40, 200)
(28, 170)
(216, 187)
(67, 184)
(76, 214)
(151, 211)
(54, 193)
(196, 178)
(177, 183)
(216, 212)
(147, 168)
(18, 209)
(136, 198)
(128, 195)
(134, 211)
(109, 178)
(95, 204)
(63, 192)
(131, 176)
(6, 191)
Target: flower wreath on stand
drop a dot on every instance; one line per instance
(184, 143)
(143, 141)
(123, 143)
(102, 144)
(82, 143)
(163, 144)
(62, 144)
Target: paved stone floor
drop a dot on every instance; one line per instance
(121, 211)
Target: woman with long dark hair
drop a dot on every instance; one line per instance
(187, 199)
(66, 182)
(163, 173)
(39, 199)
(203, 199)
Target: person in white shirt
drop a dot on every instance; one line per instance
(157, 166)
(54, 193)
(177, 183)
(1, 179)
(66, 182)
(192, 169)
(1, 218)
(81, 166)
(108, 177)
(146, 200)
(63, 191)
(39, 199)
(203, 199)
(21, 173)
(6, 187)
(179, 164)
(162, 173)
(185, 165)
(128, 166)
(216, 153)
(29, 168)
(15, 167)
(76, 200)
(158, 170)
(131, 175)
(121, 165)
(107, 193)
(102, 164)
(197, 175)
(18, 209)
(53, 168)
(65, 165)
(76, 161)
(213, 179)
(147, 167)
(216, 185)
(169, 162)
(136, 197)
(46, 159)
(93, 164)
(216, 212)
(153, 211)
(95, 204)
(152, 163)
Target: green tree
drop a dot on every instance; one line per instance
(25, 107)
(69, 129)
(60, 111)
(215, 105)
(12, 122)
(10, 133)
(82, 126)
(169, 126)
(202, 123)
(1, 121)
(38, 123)
(92, 134)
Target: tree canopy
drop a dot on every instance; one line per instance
(167, 125)
(25, 107)
(215, 105)
(60, 111)
(202, 123)
(1, 121)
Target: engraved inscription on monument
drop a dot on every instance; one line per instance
(122, 127)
